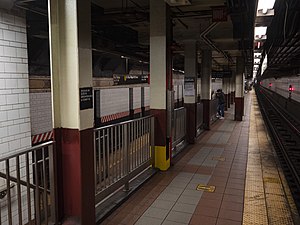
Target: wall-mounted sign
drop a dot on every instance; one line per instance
(189, 86)
(130, 79)
(86, 98)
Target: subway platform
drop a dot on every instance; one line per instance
(231, 176)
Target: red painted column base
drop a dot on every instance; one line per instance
(239, 109)
(75, 175)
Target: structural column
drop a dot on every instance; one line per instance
(206, 85)
(190, 97)
(239, 89)
(232, 87)
(225, 91)
(72, 108)
(161, 80)
(228, 79)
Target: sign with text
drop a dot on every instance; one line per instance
(86, 98)
(189, 86)
(130, 79)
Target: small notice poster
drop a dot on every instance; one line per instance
(189, 87)
(86, 98)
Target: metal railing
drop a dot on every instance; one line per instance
(27, 183)
(213, 109)
(122, 151)
(179, 125)
(199, 114)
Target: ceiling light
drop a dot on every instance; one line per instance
(178, 2)
(260, 31)
(265, 5)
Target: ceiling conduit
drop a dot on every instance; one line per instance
(203, 36)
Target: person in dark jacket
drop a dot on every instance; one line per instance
(221, 102)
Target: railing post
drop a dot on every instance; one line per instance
(53, 183)
(95, 134)
(127, 152)
(152, 144)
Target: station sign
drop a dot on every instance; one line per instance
(130, 79)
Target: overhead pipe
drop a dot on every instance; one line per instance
(204, 37)
(19, 4)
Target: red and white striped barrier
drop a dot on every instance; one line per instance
(108, 118)
(42, 137)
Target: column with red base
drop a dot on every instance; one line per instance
(190, 98)
(206, 66)
(239, 89)
(161, 85)
(72, 95)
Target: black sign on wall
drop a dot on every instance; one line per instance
(86, 98)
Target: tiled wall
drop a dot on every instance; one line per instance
(14, 91)
(114, 100)
(137, 98)
(217, 84)
(147, 96)
(40, 112)
(281, 86)
(15, 132)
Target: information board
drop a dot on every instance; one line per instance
(86, 98)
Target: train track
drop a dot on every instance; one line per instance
(285, 133)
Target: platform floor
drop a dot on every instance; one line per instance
(236, 165)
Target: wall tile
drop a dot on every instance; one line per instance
(12, 99)
(9, 51)
(9, 35)
(10, 67)
(11, 83)
(14, 129)
(13, 114)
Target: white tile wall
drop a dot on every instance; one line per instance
(180, 92)
(137, 97)
(15, 133)
(216, 85)
(40, 112)
(114, 101)
(281, 86)
(147, 96)
(13, 84)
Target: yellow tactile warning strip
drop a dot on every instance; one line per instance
(267, 197)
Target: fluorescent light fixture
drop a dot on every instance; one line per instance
(265, 5)
(260, 31)
(178, 2)
(257, 54)
(264, 65)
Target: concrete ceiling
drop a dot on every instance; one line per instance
(121, 27)
(189, 21)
